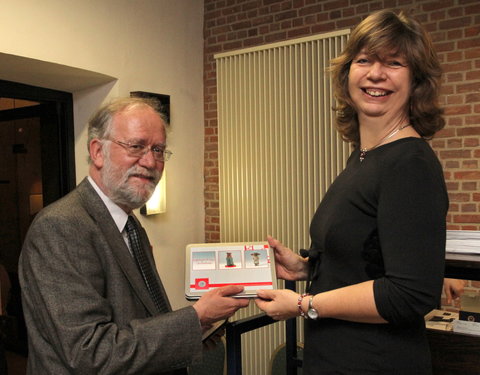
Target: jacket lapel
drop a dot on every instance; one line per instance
(98, 211)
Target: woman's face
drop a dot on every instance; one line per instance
(379, 86)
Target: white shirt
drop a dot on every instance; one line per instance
(119, 216)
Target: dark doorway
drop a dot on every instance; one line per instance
(37, 167)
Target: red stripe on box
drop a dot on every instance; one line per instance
(192, 286)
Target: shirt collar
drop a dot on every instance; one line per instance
(119, 216)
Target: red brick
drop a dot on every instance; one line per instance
(458, 110)
(459, 197)
(262, 20)
(473, 75)
(472, 53)
(435, 5)
(469, 87)
(322, 28)
(298, 32)
(469, 186)
(473, 120)
(337, 4)
(454, 143)
(470, 130)
(455, 99)
(467, 175)
(455, 56)
(471, 98)
(276, 37)
(468, 43)
(445, 133)
(469, 164)
(455, 23)
(459, 66)
(472, 31)
(453, 209)
(472, 142)
(317, 8)
(467, 218)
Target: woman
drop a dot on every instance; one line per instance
(376, 262)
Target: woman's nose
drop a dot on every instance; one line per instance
(377, 71)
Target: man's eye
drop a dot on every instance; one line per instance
(136, 147)
(157, 150)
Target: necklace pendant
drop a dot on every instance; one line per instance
(363, 152)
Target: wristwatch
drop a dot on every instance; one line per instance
(311, 312)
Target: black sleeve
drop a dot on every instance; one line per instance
(413, 203)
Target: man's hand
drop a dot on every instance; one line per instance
(218, 304)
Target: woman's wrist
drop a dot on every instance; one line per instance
(300, 304)
(305, 306)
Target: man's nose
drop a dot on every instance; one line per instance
(148, 160)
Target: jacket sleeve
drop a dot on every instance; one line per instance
(71, 322)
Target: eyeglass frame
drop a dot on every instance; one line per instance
(143, 150)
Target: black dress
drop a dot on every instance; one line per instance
(382, 219)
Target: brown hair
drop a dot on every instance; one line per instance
(383, 32)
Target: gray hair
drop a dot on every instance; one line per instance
(100, 124)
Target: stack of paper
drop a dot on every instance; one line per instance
(464, 326)
(463, 241)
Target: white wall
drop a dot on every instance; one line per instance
(145, 45)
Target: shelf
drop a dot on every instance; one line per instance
(462, 266)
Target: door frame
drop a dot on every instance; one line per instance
(57, 135)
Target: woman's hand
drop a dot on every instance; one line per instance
(279, 304)
(288, 265)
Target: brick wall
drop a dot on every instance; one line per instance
(455, 29)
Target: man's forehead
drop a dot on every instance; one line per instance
(138, 118)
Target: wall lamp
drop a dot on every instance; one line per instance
(157, 204)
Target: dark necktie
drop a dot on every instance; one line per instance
(144, 265)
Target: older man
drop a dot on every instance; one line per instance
(93, 301)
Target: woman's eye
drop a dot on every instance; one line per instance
(395, 64)
(362, 61)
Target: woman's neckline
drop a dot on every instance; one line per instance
(392, 143)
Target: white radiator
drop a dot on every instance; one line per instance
(278, 153)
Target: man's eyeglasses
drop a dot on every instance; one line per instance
(139, 150)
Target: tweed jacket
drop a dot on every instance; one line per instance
(86, 306)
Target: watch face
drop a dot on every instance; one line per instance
(312, 314)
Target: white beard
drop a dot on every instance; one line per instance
(121, 191)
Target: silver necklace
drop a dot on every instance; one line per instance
(363, 151)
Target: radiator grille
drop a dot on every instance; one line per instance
(278, 153)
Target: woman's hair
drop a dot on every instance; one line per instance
(100, 125)
(382, 33)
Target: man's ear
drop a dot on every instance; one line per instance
(96, 152)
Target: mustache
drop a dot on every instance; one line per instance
(137, 171)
